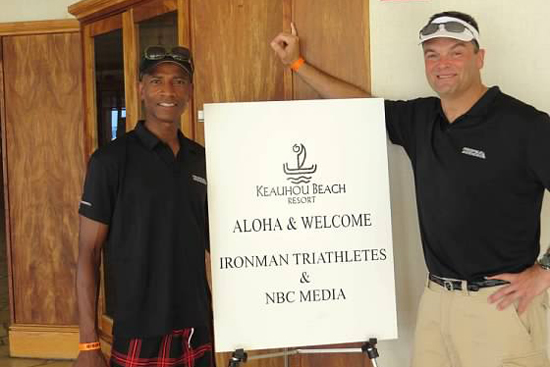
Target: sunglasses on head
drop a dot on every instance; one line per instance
(453, 27)
(177, 53)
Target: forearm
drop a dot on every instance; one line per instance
(328, 86)
(87, 286)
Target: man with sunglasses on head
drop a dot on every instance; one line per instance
(144, 204)
(481, 161)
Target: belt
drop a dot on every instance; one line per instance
(456, 285)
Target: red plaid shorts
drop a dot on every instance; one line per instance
(187, 348)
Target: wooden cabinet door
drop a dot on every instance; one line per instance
(44, 168)
(105, 117)
(43, 99)
(334, 37)
(112, 48)
(233, 59)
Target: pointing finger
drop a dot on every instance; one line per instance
(293, 27)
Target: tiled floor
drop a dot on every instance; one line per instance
(5, 360)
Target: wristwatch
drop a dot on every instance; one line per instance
(544, 261)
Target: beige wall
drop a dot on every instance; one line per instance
(516, 39)
(25, 10)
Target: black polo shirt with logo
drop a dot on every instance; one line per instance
(155, 206)
(479, 181)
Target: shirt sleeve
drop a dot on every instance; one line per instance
(539, 149)
(399, 123)
(99, 194)
(407, 121)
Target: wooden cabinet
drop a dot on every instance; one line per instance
(41, 104)
(129, 25)
(234, 62)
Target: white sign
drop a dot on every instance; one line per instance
(300, 223)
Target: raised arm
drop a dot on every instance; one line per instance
(92, 236)
(287, 47)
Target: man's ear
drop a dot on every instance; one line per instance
(140, 89)
(480, 58)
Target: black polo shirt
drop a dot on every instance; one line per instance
(479, 181)
(155, 206)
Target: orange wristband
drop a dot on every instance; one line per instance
(89, 346)
(297, 64)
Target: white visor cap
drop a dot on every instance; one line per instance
(468, 34)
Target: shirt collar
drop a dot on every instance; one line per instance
(479, 109)
(151, 141)
(147, 138)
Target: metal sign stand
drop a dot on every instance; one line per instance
(369, 348)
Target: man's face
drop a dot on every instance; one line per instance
(165, 92)
(452, 66)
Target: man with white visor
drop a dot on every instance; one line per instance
(481, 161)
(449, 27)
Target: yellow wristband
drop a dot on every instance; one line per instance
(297, 64)
(89, 346)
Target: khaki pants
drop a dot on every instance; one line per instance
(461, 329)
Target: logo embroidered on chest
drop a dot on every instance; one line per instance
(473, 152)
(199, 179)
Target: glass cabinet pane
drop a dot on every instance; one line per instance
(159, 30)
(109, 71)
(111, 113)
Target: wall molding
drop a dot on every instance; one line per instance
(87, 10)
(39, 27)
